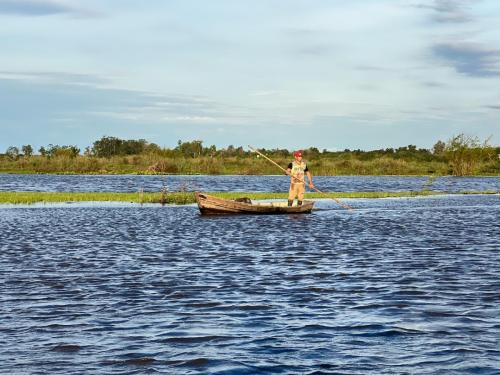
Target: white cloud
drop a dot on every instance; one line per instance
(325, 69)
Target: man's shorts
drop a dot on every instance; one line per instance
(296, 190)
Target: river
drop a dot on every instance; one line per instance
(397, 286)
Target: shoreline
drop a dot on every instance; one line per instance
(182, 198)
(430, 175)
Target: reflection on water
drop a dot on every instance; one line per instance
(397, 286)
(130, 183)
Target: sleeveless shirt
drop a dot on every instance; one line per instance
(298, 170)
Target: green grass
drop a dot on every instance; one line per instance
(53, 197)
(220, 165)
(188, 197)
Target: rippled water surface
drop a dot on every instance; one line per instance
(131, 183)
(397, 286)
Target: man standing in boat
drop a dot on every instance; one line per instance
(297, 169)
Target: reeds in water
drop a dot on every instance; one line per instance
(187, 197)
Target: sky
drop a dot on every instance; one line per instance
(331, 74)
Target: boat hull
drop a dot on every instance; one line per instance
(210, 205)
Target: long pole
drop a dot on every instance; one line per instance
(300, 180)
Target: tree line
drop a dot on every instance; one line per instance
(463, 154)
(49, 151)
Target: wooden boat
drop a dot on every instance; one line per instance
(210, 205)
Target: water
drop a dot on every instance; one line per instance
(399, 286)
(131, 183)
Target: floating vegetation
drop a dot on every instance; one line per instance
(186, 197)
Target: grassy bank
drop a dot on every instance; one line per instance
(461, 155)
(320, 165)
(187, 197)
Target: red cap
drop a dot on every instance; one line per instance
(297, 153)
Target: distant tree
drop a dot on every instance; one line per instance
(312, 152)
(132, 147)
(230, 150)
(152, 148)
(88, 151)
(239, 151)
(465, 153)
(27, 150)
(212, 150)
(438, 148)
(67, 151)
(107, 147)
(12, 152)
(59, 151)
(191, 149)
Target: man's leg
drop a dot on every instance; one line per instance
(291, 194)
(300, 193)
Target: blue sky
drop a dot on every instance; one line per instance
(271, 73)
